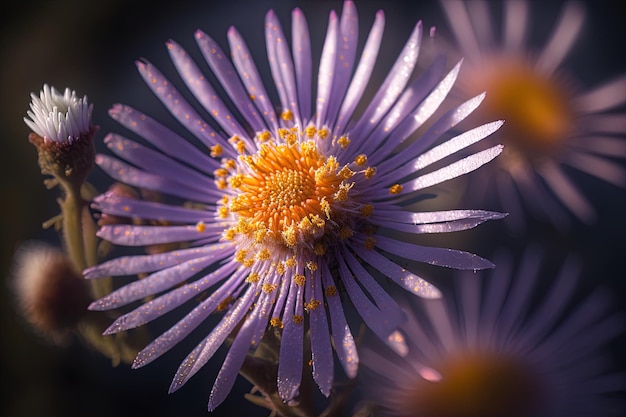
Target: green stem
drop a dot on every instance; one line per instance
(72, 208)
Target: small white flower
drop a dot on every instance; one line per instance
(59, 118)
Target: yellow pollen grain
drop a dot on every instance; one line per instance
(370, 242)
(216, 150)
(241, 147)
(343, 141)
(264, 136)
(229, 234)
(331, 291)
(263, 255)
(299, 279)
(223, 212)
(240, 255)
(298, 319)
(200, 226)
(310, 131)
(323, 133)
(345, 173)
(221, 184)
(311, 266)
(345, 233)
(286, 115)
(234, 139)
(223, 305)
(312, 305)
(236, 181)
(268, 288)
(280, 268)
(395, 189)
(253, 277)
(369, 172)
(220, 172)
(229, 163)
(276, 322)
(259, 234)
(291, 262)
(367, 210)
(361, 159)
(248, 262)
(319, 249)
(283, 132)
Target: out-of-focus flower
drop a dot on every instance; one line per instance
(506, 345)
(51, 294)
(290, 207)
(551, 124)
(63, 134)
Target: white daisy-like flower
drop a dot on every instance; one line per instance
(503, 345)
(551, 124)
(59, 118)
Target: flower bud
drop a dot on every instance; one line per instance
(51, 294)
(62, 133)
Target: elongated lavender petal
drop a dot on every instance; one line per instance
(202, 90)
(321, 350)
(302, 60)
(228, 78)
(151, 235)
(342, 336)
(162, 138)
(130, 265)
(128, 174)
(436, 256)
(111, 203)
(291, 356)
(178, 106)
(169, 301)
(326, 71)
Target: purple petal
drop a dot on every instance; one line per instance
(291, 345)
(130, 235)
(398, 274)
(228, 78)
(302, 60)
(436, 256)
(169, 301)
(162, 138)
(178, 106)
(131, 265)
(321, 350)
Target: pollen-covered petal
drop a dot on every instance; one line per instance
(436, 256)
(281, 64)
(227, 76)
(302, 60)
(130, 175)
(129, 235)
(232, 364)
(153, 284)
(130, 265)
(342, 336)
(162, 138)
(363, 72)
(203, 91)
(321, 350)
(371, 314)
(456, 169)
(393, 85)
(114, 204)
(192, 320)
(178, 106)
(242, 59)
(409, 281)
(167, 302)
(291, 355)
(150, 160)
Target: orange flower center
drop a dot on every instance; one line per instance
(477, 386)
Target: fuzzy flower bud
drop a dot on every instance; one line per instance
(63, 133)
(52, 295)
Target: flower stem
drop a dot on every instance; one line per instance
(72, 208)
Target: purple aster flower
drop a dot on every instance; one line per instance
(292, 209)
(553, 124)
(507, 345)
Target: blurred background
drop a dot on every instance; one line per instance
(91, 48)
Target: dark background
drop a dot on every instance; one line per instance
(91, 47)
